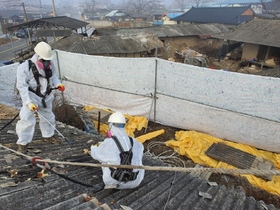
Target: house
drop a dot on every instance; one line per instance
(174, 37)
(260, 38)
(114, 46)
(230, 16)
(165, 19)
(116, 15)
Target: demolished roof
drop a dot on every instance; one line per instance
(259, 31)
(222, 15)
(96, 45)
(69, 186)
(167, 30)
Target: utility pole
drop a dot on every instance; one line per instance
(26, 20)
(54, 12)
(41, 9)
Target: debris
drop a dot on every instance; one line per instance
(213, 183)
(13, 173)
(59, 170)
(8, 184)
(192, 57)
(205, 195)
(41, 174)
(9, 158)
(11, 132)
(125, 207)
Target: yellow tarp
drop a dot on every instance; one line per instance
(149, 136)
(134, 123)
(194, 144)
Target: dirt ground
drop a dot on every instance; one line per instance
(156, 147)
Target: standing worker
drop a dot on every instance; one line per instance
(118, 149)
(35, 80)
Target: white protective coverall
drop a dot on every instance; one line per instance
(108, 153)
(25, 127)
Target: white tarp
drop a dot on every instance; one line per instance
(7, 85)
(243, 93)
(125, 85)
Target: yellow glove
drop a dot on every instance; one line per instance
(32, 107)
(60, 87)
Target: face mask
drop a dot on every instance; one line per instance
(109, 134)
(44, 64)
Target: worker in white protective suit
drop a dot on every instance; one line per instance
(108, 152)
(35, 80)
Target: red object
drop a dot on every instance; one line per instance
(61, 88)
(44, 164)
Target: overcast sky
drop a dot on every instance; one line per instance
(59, 2)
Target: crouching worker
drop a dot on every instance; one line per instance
(119, 149)
(35, 80)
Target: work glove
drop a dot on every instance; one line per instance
(60, 87)
(32, 107)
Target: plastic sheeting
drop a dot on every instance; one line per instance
(7, 85)
(241, 93)
(194, 144)
(125, 85)
(237, 107)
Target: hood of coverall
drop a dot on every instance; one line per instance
(119, 133)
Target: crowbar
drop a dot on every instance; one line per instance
(53, 127)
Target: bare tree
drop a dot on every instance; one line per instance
(272, 8)
(199, 3)
(143, 6)
(182, 4)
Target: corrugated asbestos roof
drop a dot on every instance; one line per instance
(60, 21)
(159, 190)
(168, 30)
(257, 31)
(222, 15)
(109, 44)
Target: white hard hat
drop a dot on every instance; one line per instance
(44, 50)
(117, 117)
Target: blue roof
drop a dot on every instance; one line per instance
(173, 15)
(223, 15)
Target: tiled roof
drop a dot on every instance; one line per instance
(261, 31)
(80, 187)
(180, 30)
(109, 44)
(222, 15)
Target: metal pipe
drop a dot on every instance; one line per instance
(52, 126)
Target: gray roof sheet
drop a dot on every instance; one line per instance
(60, 21)
(223, 15)
(162, 31)
(257, 31)
(158, 190)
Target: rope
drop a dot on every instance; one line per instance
(172, 159)
(160, 168)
